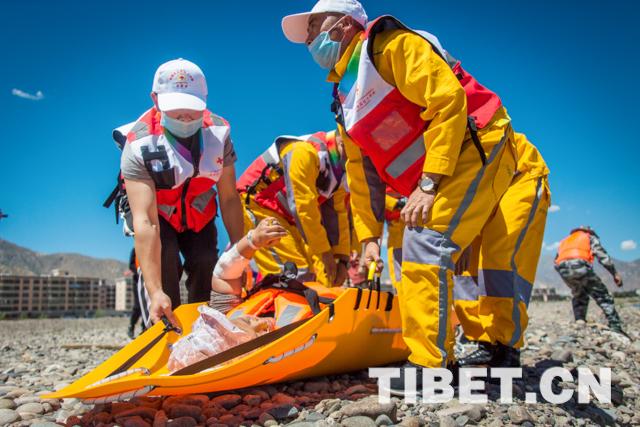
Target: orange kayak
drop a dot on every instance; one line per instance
(360, 328)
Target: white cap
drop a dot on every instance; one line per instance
(295, 26)
(180, 84)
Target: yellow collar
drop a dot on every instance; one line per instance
(341, 66)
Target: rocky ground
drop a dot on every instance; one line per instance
(41, 355)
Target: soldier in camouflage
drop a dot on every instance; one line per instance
(574, 263)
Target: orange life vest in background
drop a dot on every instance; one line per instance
(387, 126)
(184, 187)
(576, 246)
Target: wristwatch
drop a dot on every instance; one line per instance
(427, 185)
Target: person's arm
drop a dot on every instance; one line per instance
(230, 204)
(603, 257)
(342, 250)
(366, 198)
(301, 169)
(409, 63)
(227, 275)
(142, 200)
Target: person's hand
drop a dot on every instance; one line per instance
(463, 262)
(372, 254)
(342, 273)
(330, 267)
(161, 306)
(268, 233)
(618, 279)
(416, 211)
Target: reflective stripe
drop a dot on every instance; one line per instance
(284, 203)
(236, 314)
(291, 202)
(408, 157)
(377, 188)
(217, 120)
(201, 201)
(425, 246)
(330, 222)
(465, 288)
(496, 283)
(168, 210)
(288, 315)
(397, 264)
(445, 260)
(518, 285)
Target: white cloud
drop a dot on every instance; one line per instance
(628, 245)
(26, 95)
(554, 208)
(552, 247)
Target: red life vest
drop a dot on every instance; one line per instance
(387, 126)
(576, 246)
(391, 215)
(264, 178)
(184, 192)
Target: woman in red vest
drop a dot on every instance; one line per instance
(175, 154)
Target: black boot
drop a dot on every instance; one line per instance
(397, 385)
(506, 357)
(484, 355)
(131, 331)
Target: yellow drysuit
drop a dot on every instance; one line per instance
(491, 298)
(395, 231)
(319, 228)
(467, 194)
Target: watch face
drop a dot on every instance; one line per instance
(427, 184)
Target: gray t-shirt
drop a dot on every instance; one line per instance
(133, 168)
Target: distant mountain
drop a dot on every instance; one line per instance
(15, 259)
(630, 272)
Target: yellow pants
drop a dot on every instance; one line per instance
(395, 231)
(491, 299)
(462, 207)
(291, 248)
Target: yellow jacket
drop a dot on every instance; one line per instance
(407, 62)
(530, 160)
(302, 169)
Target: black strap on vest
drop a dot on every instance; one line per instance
(288, 282)
(473, 130)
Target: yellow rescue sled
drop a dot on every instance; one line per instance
(351, 329)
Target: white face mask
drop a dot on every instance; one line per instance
(179, 128)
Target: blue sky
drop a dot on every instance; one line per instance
(565, 69)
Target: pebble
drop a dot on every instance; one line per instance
(358, 421)
(33, 408)
(7, 404)
(8, 416)
(37, 363)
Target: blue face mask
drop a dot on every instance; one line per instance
(324, 50)
(179, 128)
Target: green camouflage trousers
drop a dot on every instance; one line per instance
(584, 283)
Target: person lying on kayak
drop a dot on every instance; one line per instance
(229, 273)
